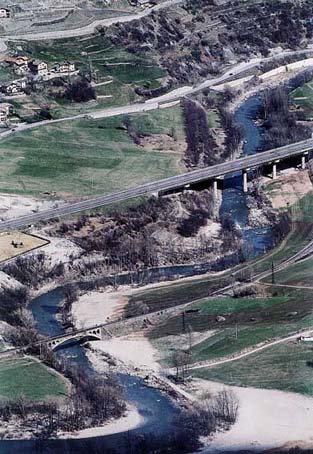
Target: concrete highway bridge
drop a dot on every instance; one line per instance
(212, 174)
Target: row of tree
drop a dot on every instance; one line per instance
(279, 123)
(202, 147)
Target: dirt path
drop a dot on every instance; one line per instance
(300, 287)
(251, 351)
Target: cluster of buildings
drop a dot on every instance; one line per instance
(13, 88)
(23, 65)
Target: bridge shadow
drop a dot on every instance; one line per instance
(74, 342)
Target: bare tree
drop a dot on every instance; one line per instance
(226, 406)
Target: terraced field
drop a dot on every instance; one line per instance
(93, 54)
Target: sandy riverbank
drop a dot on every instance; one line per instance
(130, 352)
(98, 307)
(267, 419)
(129, 421)
(291, 186)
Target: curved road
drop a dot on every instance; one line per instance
(160, 101)
(89, 29)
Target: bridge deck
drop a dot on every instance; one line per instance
(177, 181)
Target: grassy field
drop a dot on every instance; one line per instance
(231, 305)
(162, 121)
(303, 99)
(298, 274)
(29, 378)
(287, 367)
(85, 157)
(6, 74)
(245, 323)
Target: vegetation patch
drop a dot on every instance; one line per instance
(80, 158)
(29, 378)
(286, 366)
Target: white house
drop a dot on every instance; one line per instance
(4, 13)
(39, 68)
(64, 67)
(14, 88)
(7, 108)
(3, 116)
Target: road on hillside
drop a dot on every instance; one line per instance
(158, 102)
(90, 28)
(177, 181)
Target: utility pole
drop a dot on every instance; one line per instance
(273, 273)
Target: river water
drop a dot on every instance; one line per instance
(157, 410)
(256, 240)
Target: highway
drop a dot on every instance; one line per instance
(178, 181)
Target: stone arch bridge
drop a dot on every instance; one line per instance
(97, 332)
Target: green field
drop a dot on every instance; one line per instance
(233, 305)
(6, 74)
(247, 322)
(161, 121)
(287, 367)
(303, 99)
(298, 274)
(29, 378)
(85, 157)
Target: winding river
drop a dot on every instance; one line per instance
(157, 409)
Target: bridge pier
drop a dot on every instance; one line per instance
(215, 188)
(245, 180)
(303, 161)
(274, 173)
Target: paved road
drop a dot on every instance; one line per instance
(158, 102)
(89, 29)
(178, 181)
(151, 104)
